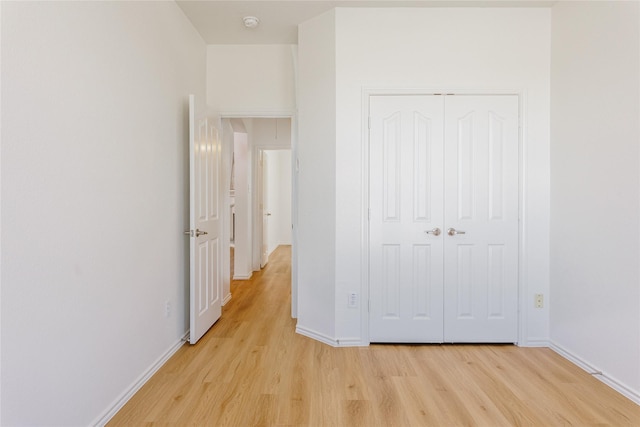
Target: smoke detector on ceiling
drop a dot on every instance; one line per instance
(251, 21)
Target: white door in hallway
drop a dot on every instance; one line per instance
(205, 249)
(443, 228)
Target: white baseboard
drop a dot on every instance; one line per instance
(317, 336)
(535, 343)
(615, 384)
(242, 276)
(351, 342)
(138, 383)
(226, 299)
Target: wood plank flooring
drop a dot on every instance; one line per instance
(251, 369)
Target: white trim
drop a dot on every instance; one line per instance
(0, 235)
(534, 342)
(226, 139)
(364, 260)
(294, 187)
(294, 217)
(367, 92)
(317, 336)
(351, 342)
(121, 400)
(523, 307)
(597, 373)
(244, 277)
(226, 299)
(381, 91)
(257, 115)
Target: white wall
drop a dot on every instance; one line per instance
(440, 49)
(251, 80)
(271, 133)
(316, 231)
(595, 187)
(94, 200)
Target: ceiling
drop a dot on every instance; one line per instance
(220, 21)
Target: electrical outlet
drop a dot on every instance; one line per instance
(353, 300)
(539, 301)
(167, 309)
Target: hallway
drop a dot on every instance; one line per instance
(252, 368)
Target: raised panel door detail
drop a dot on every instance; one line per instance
(465, 164)
(214, 285)
(464, 281)
(422, 168)
(496, 166)
(421, 281)
(214, 160)
(496, 281)
(391, 269)
(208, 152)
(203, 186)
(391, 159)
(204, 276)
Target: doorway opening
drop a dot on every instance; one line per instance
(274, 200)
(257, 153)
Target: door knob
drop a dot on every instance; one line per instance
(197, 233)
(435, 231)
(453, 232)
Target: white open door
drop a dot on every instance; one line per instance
(205, 249)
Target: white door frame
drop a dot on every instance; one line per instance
(522, 236)
(294, 192)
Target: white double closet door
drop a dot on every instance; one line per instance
(443, 228)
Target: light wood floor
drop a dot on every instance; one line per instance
(252, 369)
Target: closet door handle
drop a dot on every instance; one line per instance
(453, 232)
(436, 232)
